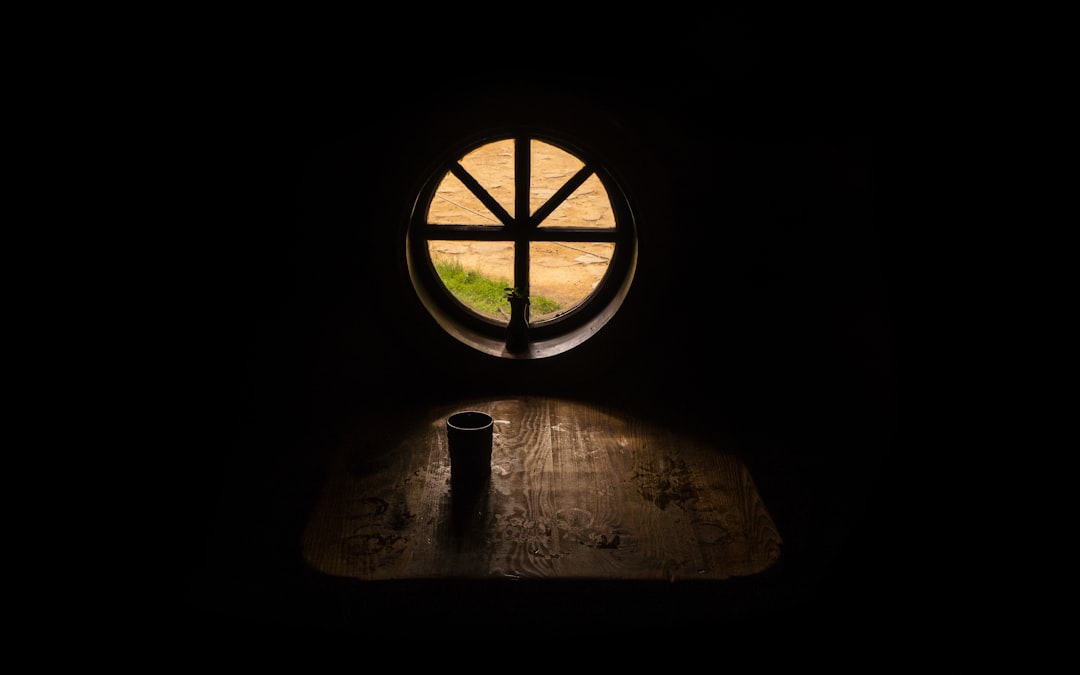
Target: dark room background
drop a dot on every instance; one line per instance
(766, 305)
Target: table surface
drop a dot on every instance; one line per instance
(577, 491)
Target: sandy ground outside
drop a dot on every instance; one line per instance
(562, 271)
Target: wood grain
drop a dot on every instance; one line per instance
(576, 492)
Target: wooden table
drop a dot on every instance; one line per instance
(577, 491)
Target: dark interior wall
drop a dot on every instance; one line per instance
(760, 278)
(762, 302)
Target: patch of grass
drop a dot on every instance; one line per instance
(485, 294)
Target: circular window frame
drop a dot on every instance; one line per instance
(551, 336)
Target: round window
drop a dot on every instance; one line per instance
(521, 244)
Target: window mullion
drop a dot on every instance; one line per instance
(561, 195)
(522, 225)
(486, 199)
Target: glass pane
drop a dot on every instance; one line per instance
(550, 168)
(492, 166)
(477, 273)
(588, 206)
(563, 274)
(455, 204)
